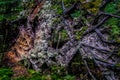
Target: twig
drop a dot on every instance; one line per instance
(58, 42)
(108, 14)
(102, 6)
(81, 51)
(99, 49)
(69, 30)
(103, 39)
(34, 64)
(85, 62)
(92, 28)
(66, 25)
(67, 10)
(105, 71)
(104, 3)
(96, 26)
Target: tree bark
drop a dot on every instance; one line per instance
(93, 44)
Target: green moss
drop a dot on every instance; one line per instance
(64, 35)
(113, 26)
(118, 53)
(110, 8)
(76, 14)
(56, 21)
(68, 2)
(118, 39)
(57, 8)
(92, 6)
(57, 5)
(117, 65)
(79, 33)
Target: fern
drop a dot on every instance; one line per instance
(5, 73)
(9, 9)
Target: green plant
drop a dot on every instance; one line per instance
(92, 5)
(57, 5)
(113, 23)
(76, 14)
(9, 9)
(110, 8)
(69, 77)
(5, 73)
(60, 73)
(115, 31)
(79, 33)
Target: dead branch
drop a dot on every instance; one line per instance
(67, 10)
(91, 29)
(111, 15)
(93, 77)
(103, 39)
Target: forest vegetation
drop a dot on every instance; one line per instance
(59, 40)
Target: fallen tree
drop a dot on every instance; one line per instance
(55, 40)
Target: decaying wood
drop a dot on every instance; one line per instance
(91, 45)
(23, 44)
(35, 11)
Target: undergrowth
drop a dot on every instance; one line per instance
(55, 73)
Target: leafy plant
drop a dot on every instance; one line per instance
(69, 77)
(79, 33)
(91, 5)
(57, 5)
(9, 9)
(113, 22)
(5, 73)
(115, 30)
(76, 14)
(110, 8)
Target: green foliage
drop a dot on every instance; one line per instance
(69, 77)
(115, 30)
(33, 75)
(64, 35)
(79, 33)
(59, 73)
(110, 8)
(117, 65)
(113, 23)
(9, 9)
(76, 14)
(92, 5)
(57, 5)
(56, 73)
(36, 76)
(68, 2)
(5, 73)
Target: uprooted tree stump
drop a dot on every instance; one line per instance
(55, 40)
